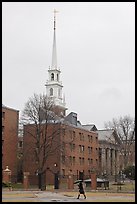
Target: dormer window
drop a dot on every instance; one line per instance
(51, 91)
(52, 77)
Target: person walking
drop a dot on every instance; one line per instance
(81, 190)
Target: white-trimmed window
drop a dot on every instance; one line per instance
(52, 77)
(51, 91)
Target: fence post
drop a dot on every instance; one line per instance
(93, 181)
(26, 180)
(70, 181)
(7, 177)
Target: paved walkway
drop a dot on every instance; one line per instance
(48, 196)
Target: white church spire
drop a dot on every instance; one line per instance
(54, 85)
(54, 51)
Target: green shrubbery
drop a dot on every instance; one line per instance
(7, 184)
(130, 172)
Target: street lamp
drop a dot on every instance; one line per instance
(56, 178)
(104, 176)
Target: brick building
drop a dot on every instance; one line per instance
(77, 150)
(10, 118)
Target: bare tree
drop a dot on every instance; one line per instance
(125, 129)
(37, 116)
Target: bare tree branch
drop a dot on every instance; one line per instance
(125, 129)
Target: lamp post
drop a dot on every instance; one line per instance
(119, 182)
(56, 178)
(104, 177)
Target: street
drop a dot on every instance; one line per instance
(57, 196)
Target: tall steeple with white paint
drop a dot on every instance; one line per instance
(54, 85)
(54, 51)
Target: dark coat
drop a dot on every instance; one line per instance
(81, 189)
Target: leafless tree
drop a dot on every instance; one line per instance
(38, 114)
(125, 129)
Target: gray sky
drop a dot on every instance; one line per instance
(95, 52)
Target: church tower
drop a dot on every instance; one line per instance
(54, 85)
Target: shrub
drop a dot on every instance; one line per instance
(130, 172)
(7, 184)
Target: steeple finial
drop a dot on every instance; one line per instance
(55, 11)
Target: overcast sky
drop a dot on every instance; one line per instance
(95, 52)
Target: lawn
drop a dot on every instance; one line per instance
(126, 187)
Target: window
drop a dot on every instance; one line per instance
(52, 77)
(74, 134)
(63, 172)
(2, 143)
(81, 136)
(80, 160)
(57, 77)
(83, 160)
(70, 160)
(72, 146)
(90, 138)
(3, 115)
(89, 150)
(63, 159)
(2, 130)
(51, 91)
(70, 133)
(73, 160)
(97, 150)
(20, 144)
(96, 139)
(88, 161)
(81, 148)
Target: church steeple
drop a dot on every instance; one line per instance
(54, 51)
(54, 85)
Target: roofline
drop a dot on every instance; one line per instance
(3, 106)
(66, 124)
(106, 130)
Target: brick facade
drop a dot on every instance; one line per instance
(77, 152)
(10, 119)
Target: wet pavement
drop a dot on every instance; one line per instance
(48, 196)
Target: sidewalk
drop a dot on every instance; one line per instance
(64, 196)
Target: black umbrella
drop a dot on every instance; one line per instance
(77, 181)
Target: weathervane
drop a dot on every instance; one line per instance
(55, 11)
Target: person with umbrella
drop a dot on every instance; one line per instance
(81, 190)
